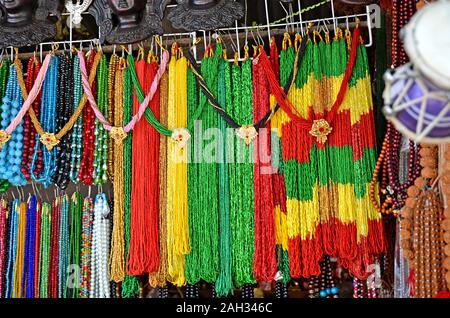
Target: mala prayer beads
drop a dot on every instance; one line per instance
(445, 186)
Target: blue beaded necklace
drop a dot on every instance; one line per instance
(11, 154)
(77, 135)
(48, 120)
(30, 244)
(14, 223)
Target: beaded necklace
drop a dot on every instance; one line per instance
(264, 263)
(4, 74)
(76, 208)
(13, 229)
(224, 284)
(48, 118)
(114, 65)
(241, 178)
(20, 252)
(320, 126)
(37, 247)
(44, 253)
(16, 120)
(159, 278)
(445, 189)
(86, 246)
(29, 136)
(30, 245)
(49, 138)
(77, 132)
(178, 231)
(283, 67)
(88, 140)
(117, 257)
(3, 246)
(63, 245)
(11, 153)
(53, 280)
(99, 284)
(323, 179)
(421, 232)
(203, 260)
(392, 193)
(130, 285)
(101, 137)
(119, 133)
(64, 110)
(143, 255)
(4, 71)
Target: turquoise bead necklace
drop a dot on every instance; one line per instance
(78, 127)
(48, 120)
(11, 154)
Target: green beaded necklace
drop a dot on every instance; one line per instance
(241, 179)
(130, 285)
(76, 210)
(4, 73)
(203, 260)
(224, 285)
(44, 252)
(101, 135)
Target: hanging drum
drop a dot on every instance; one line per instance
(194, 15)
(417, 95)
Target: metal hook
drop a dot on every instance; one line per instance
(259, 36)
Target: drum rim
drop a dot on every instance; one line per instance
(413, 135)
(415, 54)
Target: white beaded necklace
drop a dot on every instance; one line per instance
(99, 287)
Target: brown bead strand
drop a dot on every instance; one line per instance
(421, 230)
(445, 189)
(113, 66)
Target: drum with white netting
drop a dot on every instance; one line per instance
(417, 95)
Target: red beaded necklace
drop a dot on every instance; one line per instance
(54, 252)
(264, 262)
(143, 255)
(29, 135)
(88, 139)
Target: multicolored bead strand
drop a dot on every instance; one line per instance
(86, 246)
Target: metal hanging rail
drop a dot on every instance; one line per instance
(268, 29)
